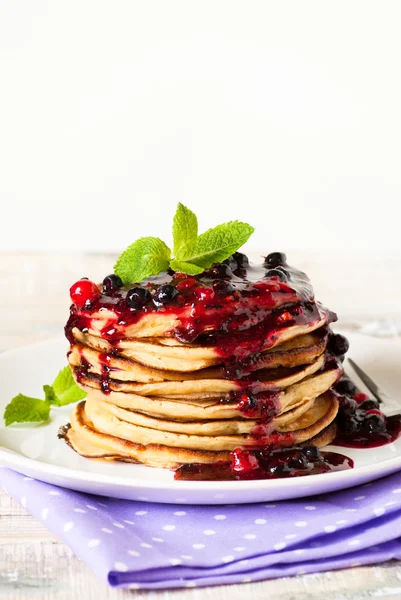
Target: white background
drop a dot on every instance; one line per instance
(283, 114)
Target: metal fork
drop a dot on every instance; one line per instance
(390, 406)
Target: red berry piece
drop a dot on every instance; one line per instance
(186, 284)
(360, 397)
(84, 292)
(243, 461)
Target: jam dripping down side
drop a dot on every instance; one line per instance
(105, 372)
(266, 464)
(246, 333)
(84, 371)
(263, 406)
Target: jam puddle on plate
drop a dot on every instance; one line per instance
(275, 464)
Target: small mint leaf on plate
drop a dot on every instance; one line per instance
(219, 243)
(64, 388)
(146, 257)
(181, 266)
(185, 232)
(50, 396)
(23, 409)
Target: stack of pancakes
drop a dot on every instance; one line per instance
(157, 399)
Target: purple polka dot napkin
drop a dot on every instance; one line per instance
(144, 545)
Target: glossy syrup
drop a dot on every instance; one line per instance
(266, 464)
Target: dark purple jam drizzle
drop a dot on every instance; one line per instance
(266, 464)
(254, 305)
(361, 424)
(263, 406)
(105, 375)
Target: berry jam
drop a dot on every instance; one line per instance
(263, 406)
(361, 424)
(241, 314)
(266, 464)
(105, 372)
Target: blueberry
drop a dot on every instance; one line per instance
(369, 405)
(338, 344)
(241, 260)
(231, 262)
(165, 294)
(137, 297)
(275, 467)
(277, 273)
(374, 424)
(346, 386)
(218, 271)
(298, 460)
(349, 404)
(111, 282)
(275, 259)
(351, 426)
(223, 288)
(237, 261)
(312, 452)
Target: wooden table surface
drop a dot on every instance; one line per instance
(34, 303)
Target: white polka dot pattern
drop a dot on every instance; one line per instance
(227, 544)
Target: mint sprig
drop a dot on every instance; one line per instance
(193, 253)
(23, 409)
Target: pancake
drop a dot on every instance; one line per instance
(149, 381)
(208, 427)
(87, 441)
(160, 323)
(171, 355)
(189, 408)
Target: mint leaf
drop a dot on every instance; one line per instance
(145, 257)
(64, 389)
(50, 396)
(219, 243)
(23, 409)
(181, 266)
(185, 232)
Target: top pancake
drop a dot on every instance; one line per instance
(199, 308)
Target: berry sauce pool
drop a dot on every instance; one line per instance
(276, 464)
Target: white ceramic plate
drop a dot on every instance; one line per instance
(37, 452)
